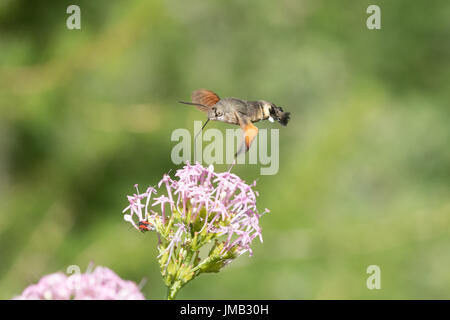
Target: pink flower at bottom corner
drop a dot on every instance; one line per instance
(101, 284)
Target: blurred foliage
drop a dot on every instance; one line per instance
(364, 163)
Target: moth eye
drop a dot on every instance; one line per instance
(219, 113)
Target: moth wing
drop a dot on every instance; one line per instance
(204, 97)
(250, 132)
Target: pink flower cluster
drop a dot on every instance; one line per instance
(229, 203)
(101, 284)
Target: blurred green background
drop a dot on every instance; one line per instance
(364, 163)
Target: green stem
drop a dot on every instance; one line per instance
(169, 225)
(194, 262)
(201, 264)
(173, 289)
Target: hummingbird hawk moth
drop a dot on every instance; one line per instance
(238, 112)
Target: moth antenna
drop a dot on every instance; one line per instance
(199, 106)
(193, 104)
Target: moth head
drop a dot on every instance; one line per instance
(215, 113)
